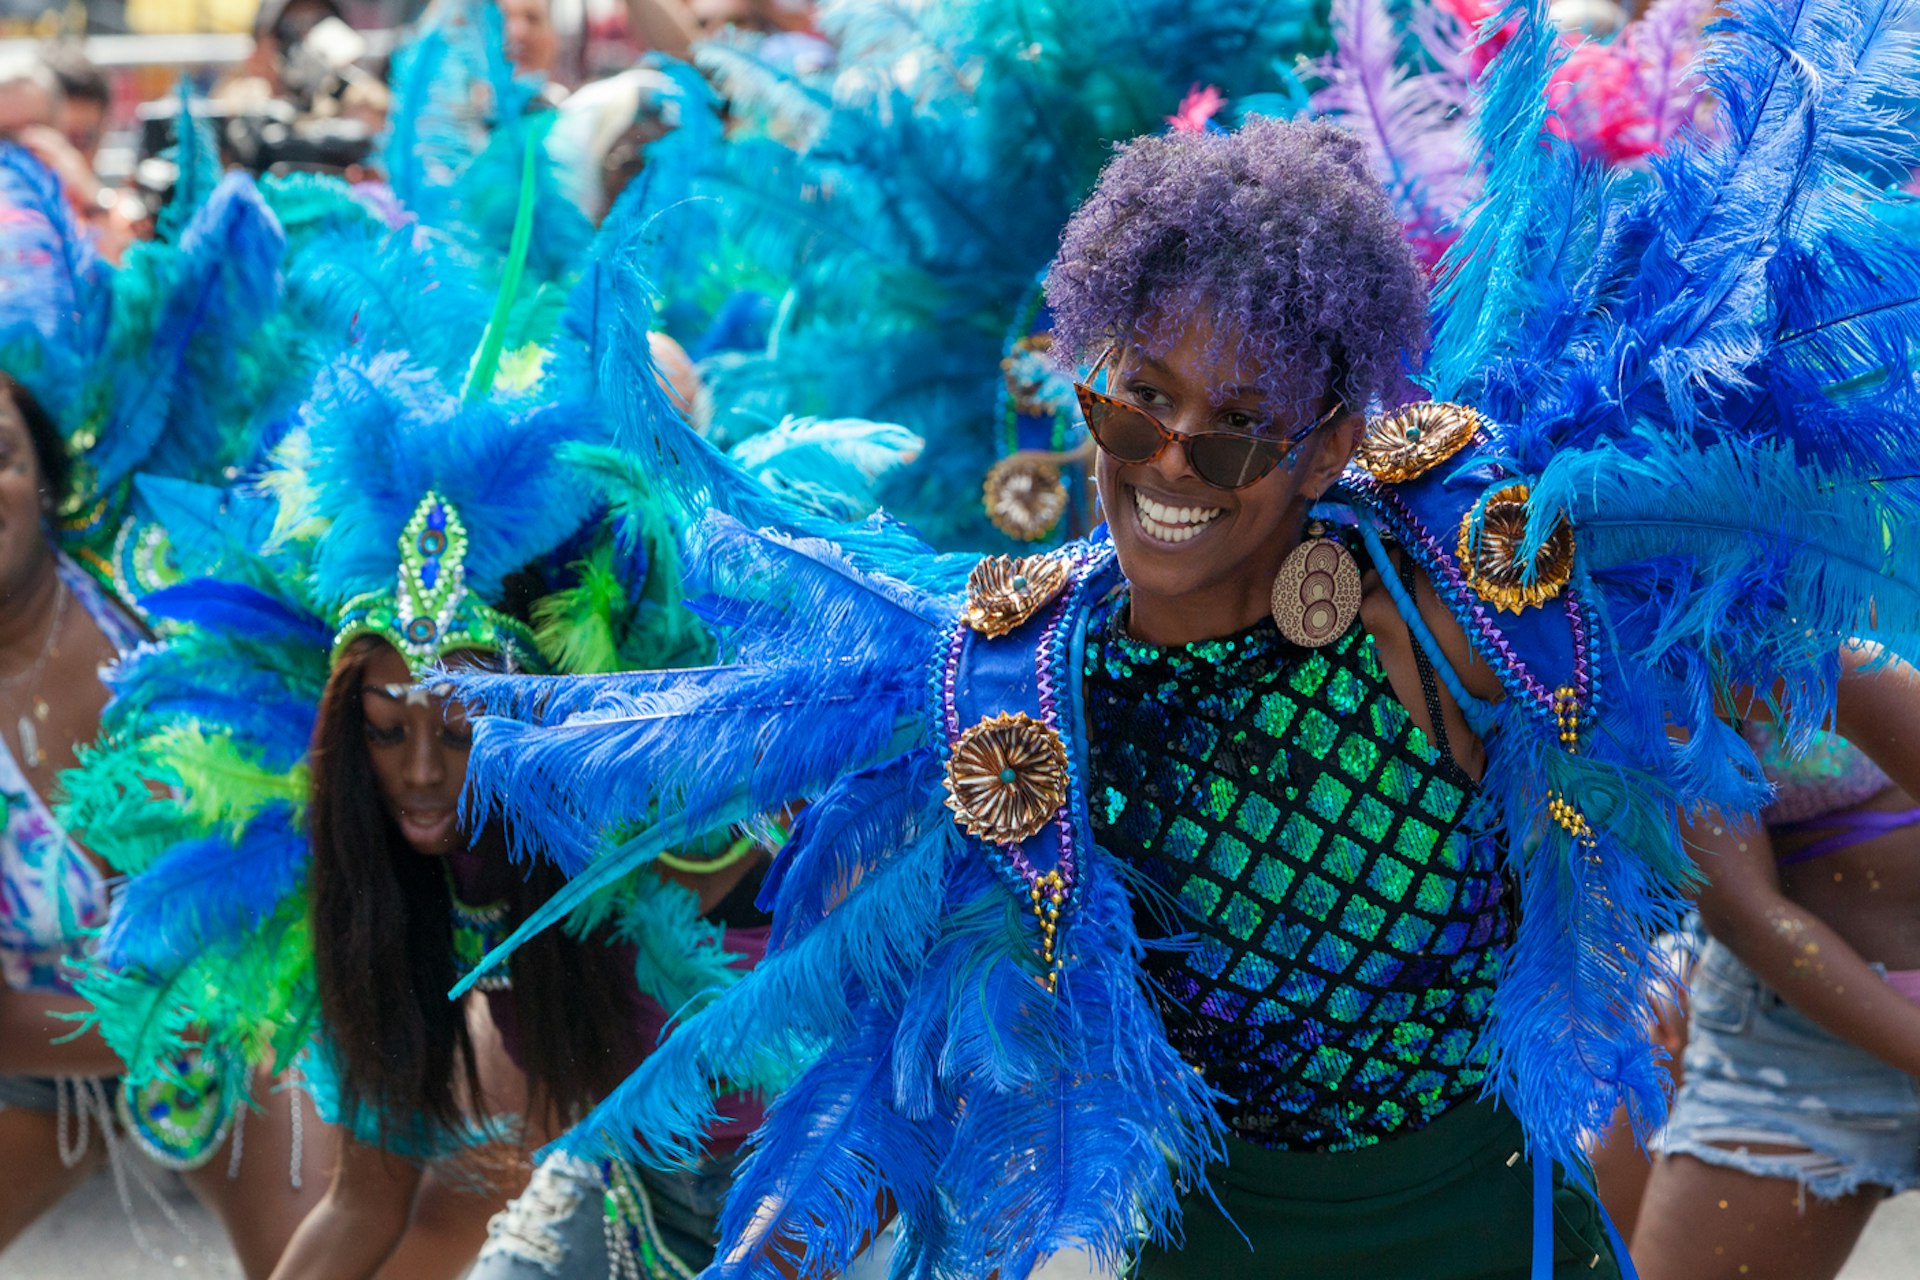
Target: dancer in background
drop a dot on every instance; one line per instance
(1798, 1110)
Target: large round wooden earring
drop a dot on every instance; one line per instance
(1317, 591)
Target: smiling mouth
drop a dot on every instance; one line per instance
(1170, 524)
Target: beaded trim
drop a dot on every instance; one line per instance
(635, 1248)
(1048, 892)
(1482, 632)
(180, 1119)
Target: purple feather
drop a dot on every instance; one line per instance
(1414, 123)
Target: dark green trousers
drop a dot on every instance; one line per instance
(1453, 1201)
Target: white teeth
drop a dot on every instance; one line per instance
(1171, 524)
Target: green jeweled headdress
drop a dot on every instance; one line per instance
(430, 612)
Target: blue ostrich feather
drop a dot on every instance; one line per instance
(217, 287)
(831, 1154)
(451, 81)
(232, 606)
(196, 157)
(211, 530)
(205, 893)
(390, 291)
(613, 750)
(54, 299)
(384, 431)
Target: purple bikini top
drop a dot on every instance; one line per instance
(1817, 793)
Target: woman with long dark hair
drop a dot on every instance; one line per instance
(333, 891)
(403, 901)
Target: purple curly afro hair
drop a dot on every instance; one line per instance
(1278, 230)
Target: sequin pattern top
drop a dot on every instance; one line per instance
(1345, 932)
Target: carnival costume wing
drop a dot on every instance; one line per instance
(1683, 475)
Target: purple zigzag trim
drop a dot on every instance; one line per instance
(1486, 635)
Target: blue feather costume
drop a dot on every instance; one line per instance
(1689, 479)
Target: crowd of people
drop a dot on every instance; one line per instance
(989, 638)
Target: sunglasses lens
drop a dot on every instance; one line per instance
(1127, 434)
(1231, 461)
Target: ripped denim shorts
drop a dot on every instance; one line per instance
(1759, 1074)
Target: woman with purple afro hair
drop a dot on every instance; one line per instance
(1258, 715)
(1278, 231)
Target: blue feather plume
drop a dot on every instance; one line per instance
(217, 288)
(204, 894)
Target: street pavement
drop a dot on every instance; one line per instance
(88, 1238)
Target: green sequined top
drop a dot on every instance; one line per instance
(1343, 934)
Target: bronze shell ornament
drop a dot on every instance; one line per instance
(1003, 592)
(1025, 498)
(1414, 439)
(1492, 535)
(1007, 778)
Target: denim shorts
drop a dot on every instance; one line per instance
(1758, 1073)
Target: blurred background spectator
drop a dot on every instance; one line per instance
(29, 94)
(85, 97)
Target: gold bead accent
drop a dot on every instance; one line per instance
(1570, 819)
(1053, 887)
(1490, 552)
(1566, 715)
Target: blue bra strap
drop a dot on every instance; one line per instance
(1478, 712)
(1542, 1211)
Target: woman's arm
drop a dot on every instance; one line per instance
(1795, 952)
(360, 1221)
(30, 1025)
(1878, 711)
